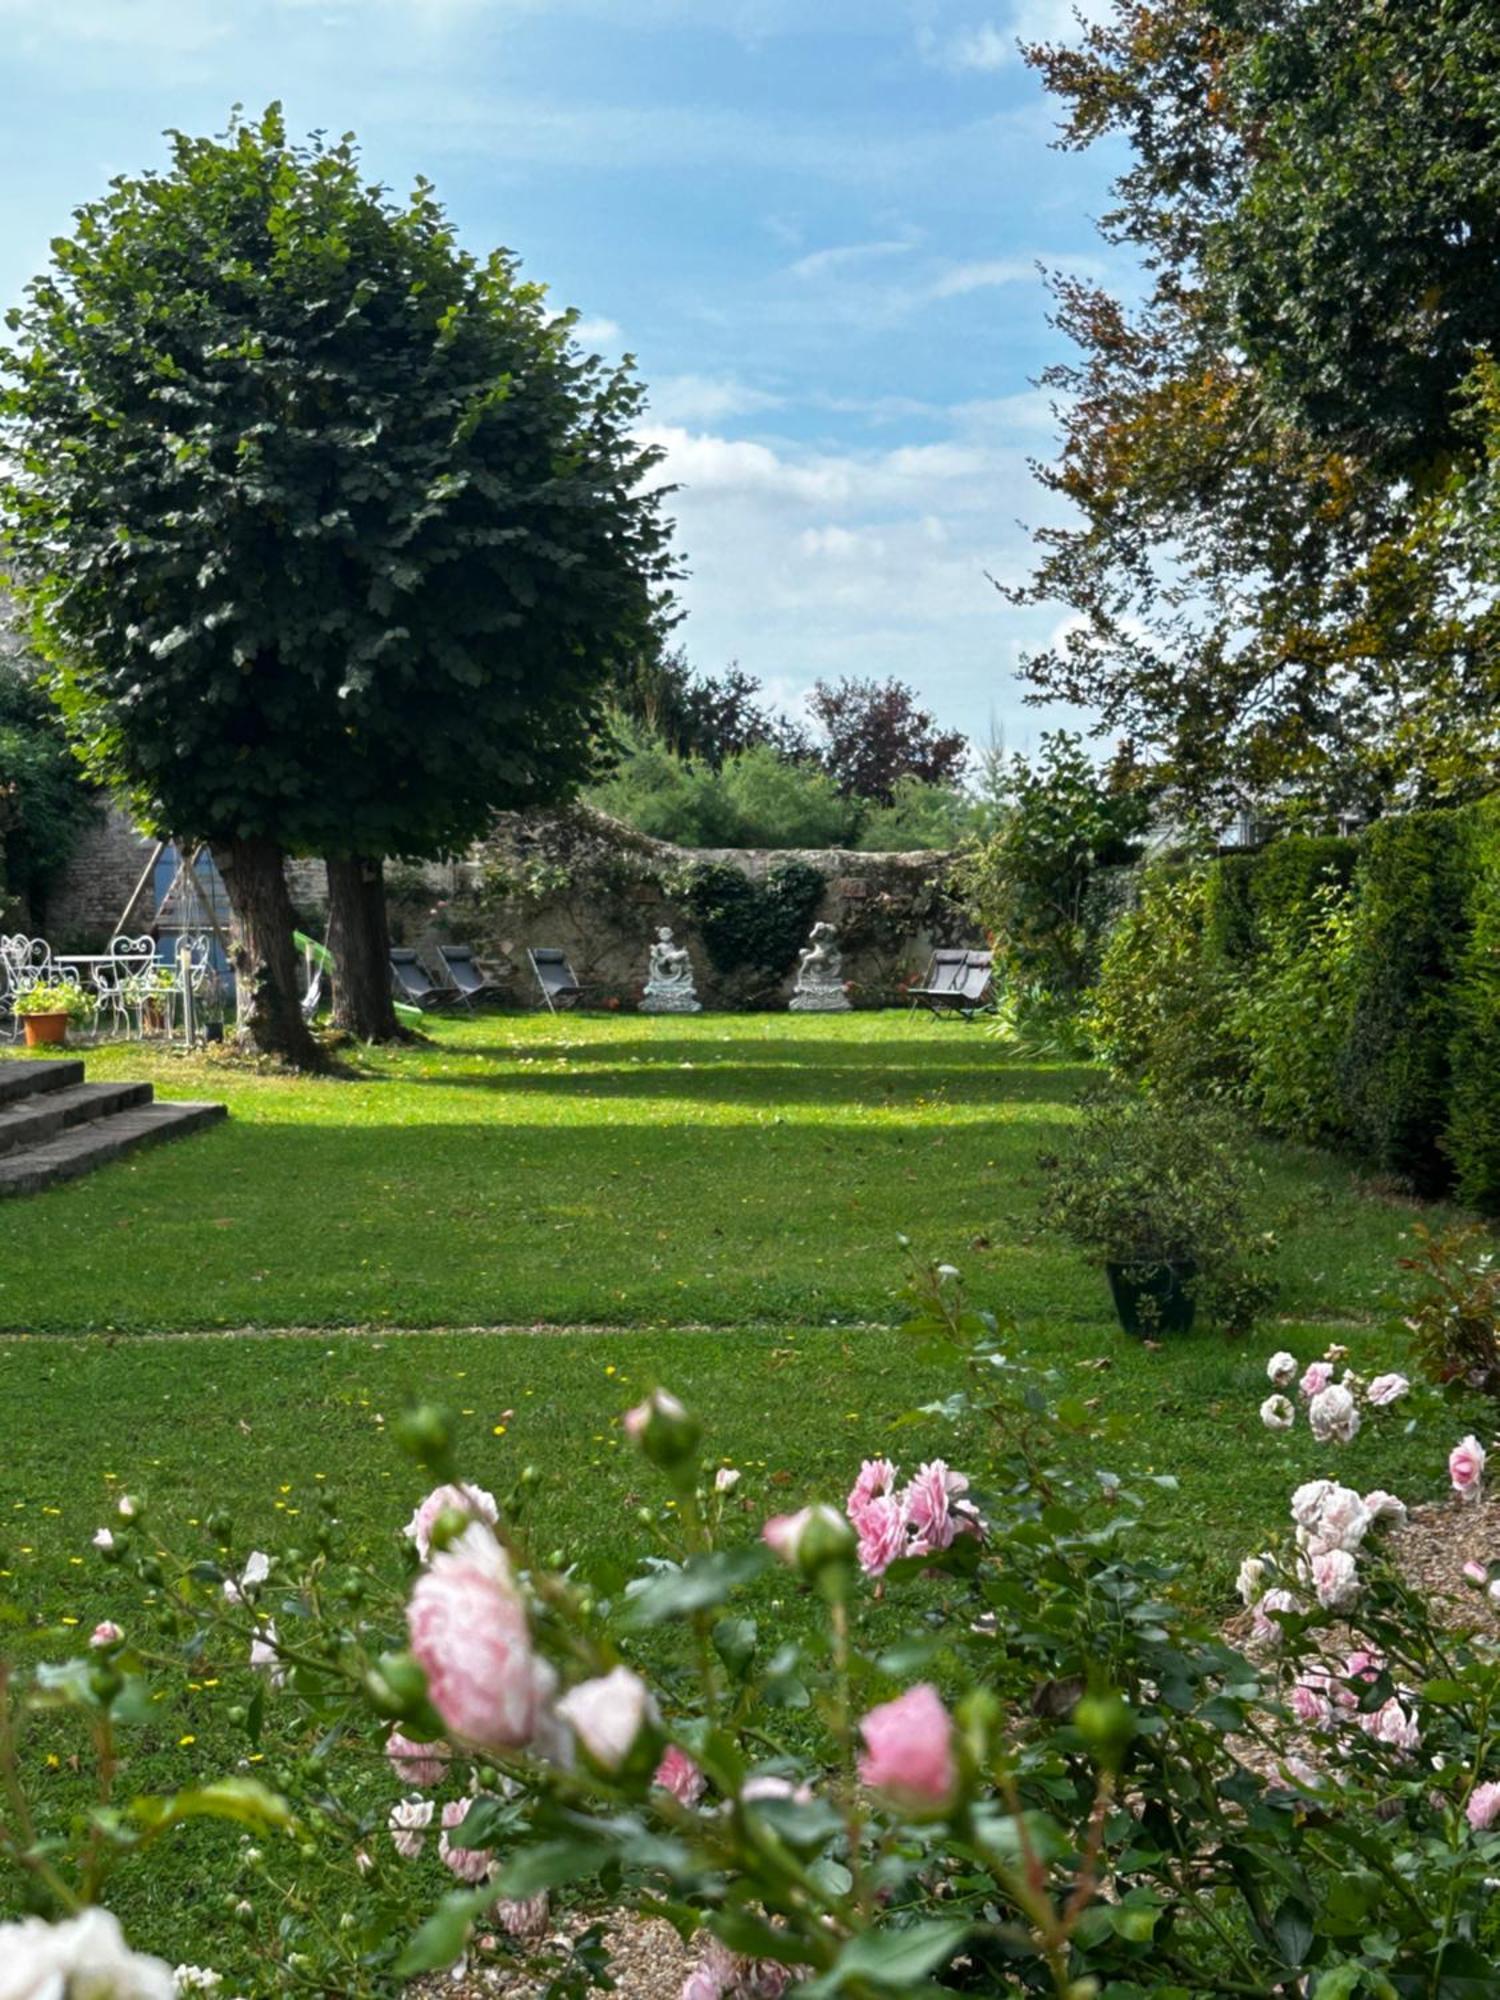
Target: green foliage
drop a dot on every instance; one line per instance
(56, 996)
(1252, 898)
(1040, 883)
(330, 531)
(920, 815)
(753, 927)
(1472, 1138)
(44, 802)
(1290, 1012)
(752, 798)
(1148, 1181)
(1159, 1010)
(1408, 935)
(1452, 1306)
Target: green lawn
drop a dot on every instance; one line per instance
(595, 1205)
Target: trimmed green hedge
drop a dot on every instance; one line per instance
(1398, 1056)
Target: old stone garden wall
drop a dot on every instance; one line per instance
(599, 890)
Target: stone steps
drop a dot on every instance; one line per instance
(55, 1127)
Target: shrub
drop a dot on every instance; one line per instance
(753, 798)
(920, 815)
(1291, 1012)
(1452, 1308)
(1045, 884)
(1254, 898)
(1407, 943)
(1148, 1182)
(1159, 1011)
(753, 927)
(1472, 1138)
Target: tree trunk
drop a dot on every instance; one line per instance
(359, 937)
(265, 961)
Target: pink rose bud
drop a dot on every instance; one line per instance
(1466, 1468)
(107, 1633)
(609, 1717)
(1483, 1808)
(811, 1538)
(1477, 1573)
(909, 1752)
(664, 1429)
(470, 1502)
(469, 1634)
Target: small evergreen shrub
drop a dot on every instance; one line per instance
(1291, 1016)
(752, 927)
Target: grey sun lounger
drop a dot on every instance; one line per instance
(556, 978)
(971, 992)
(413, 983)
(470, 985)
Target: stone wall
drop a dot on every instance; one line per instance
(588, 885)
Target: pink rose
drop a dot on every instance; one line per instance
(471, 1501)
(769, 1786)
(1344, 1521)
(1264, 1627)
(418, 1765)
(468, 1630)
(469, 1864)
(106, 1633)
(909, 1751)
(882, 1533)
(1333, 1414)
(1386, 1389)
(1316, 1378)
(1385, 1509)
(1483, 1808)
(1311, 1706)
(1476, 1573)
(876, 1481)
(679, 1775)
(1392, 1725)
(528, 1919)
(1466, 1468)
(409, 1821)
(608, 1716)
(936, 1511)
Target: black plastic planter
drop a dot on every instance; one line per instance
(1153, 1299)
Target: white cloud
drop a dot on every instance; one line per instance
(983, 48)
(706, 399)
(819, 263)
(597, 332)
(983, 275)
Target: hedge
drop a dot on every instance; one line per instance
(1413, 1062)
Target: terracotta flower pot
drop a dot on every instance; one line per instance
(42, 1029)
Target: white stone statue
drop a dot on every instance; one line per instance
(820, 975)
(669, 979)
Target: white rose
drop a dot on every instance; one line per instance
(1251, 1578)
(1282, 1369)
(608, 1715)
(1344, 1521)
(1307, 1502)
(1335, 1578)
(86, 1955)
(1333, 1415)
(1385, 1509)
(726, 1479)
(1277, 1414)
(408, 1823)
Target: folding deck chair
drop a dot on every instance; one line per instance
(413, 983)
(470, 984)
(968, 988)
(556, 978)
(943, 975)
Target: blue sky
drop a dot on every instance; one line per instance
(815, 223)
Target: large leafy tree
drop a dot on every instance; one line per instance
(1267, 560)
(875, 734)
(44, 801)
(332, 535)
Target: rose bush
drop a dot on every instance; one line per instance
(1004, 1755)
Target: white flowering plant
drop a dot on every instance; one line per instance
(1002, 1753)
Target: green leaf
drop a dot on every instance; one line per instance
(440, 1940)
(891, 1960)
(1295, 1930)
(548, 1864)
(246, 1801)
(701, 1583)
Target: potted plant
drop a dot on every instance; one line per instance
(1156, 1191)
(48, 1007)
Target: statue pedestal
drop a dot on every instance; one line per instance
(819, 1000)
(670, 1000)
